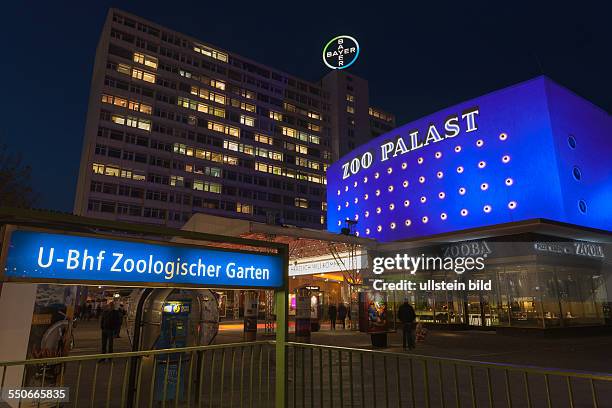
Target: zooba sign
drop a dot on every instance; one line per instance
(341, 52)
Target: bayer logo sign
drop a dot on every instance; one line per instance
(340, 52)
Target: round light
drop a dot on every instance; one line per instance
(582, 206)
(356, 200)
(356, 217)
(377, 193)
(421, 179)
(439, 174)
(339, 207)
(464, 212)
(339, 223)
(405, 183)
(346, 188)
(392, 225)
(389, 170)
(367, 231)
(365, 179)
(443, 216)
(366, 196)
(457, 149)
(484, 186)
(571, 141)
(407, 223)
(379, 228)
(505, 159)
(356, 233)
(425, 219)
(420, 160)
(390, 188)
(438, 155)
(406, 203)
(503, 136)
(346, 203)
(367, 214)
(392, 206)
(404, 166)
(441, 195)
(376, 175)
(338, 192)
(487, 208)
(481, 164)
(423, 199)
(460, 169)
(509, 181)
(512, 205)
(355, 184)
(462, 190)
(479, 143)
(378, 210)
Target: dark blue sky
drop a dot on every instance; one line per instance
(418, 58)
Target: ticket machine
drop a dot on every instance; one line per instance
(167, 319)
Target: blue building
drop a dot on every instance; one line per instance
(524, 172)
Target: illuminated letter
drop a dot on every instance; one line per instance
(414, 143)
(40, 255)
(470, 119)
(400, 147)
(385, 150)
(73, 259)
(366, 160)
(452, 126)
(432, 135)
(346, 173)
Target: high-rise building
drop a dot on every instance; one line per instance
(177, 126)
(353, 121)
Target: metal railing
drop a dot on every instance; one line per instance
(227, 375)
(243, 375)
(329, 376)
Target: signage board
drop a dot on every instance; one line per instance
(53, 257)
(341, 52)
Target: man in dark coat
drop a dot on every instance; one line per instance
(110, 323)
(407, 316)
(342, 314)
(332, 311)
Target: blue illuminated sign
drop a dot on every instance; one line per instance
(45, 256)
(533, 150)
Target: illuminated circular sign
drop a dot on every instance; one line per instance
(341, 52)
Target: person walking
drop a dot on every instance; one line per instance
(121, 311)
(407, 316)
(110, 322)
(342, 315)
(332, 312)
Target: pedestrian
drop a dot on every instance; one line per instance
(110, 321)
(342, 314)
(122, 314)
(407, 316)
(332, 311)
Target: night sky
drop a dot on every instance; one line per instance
(418, 58)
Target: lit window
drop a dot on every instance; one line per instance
(276, 116)
(301, 202)
(145, 60)
(244, 208)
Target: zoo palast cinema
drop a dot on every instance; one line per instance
(523, 176)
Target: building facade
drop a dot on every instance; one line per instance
(176, 126)
(520, 180)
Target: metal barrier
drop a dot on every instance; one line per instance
(227, 375)
(243, 375)
(328, 376)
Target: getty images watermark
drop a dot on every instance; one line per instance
(404, 263)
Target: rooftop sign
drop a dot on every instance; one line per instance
(341, 52)
(62, 258)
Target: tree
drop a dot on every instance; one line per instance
(15, 180)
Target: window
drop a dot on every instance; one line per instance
(221, 128)
(244, 208)
(350, 109)
(263, 139)
(210, 52)
(247, 120)
(276, 116)
(145, 60)
(143, 75)
(350, 98)
(177, 181)
(243, 105)
(301, 202)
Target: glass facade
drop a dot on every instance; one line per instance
(528, 290)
